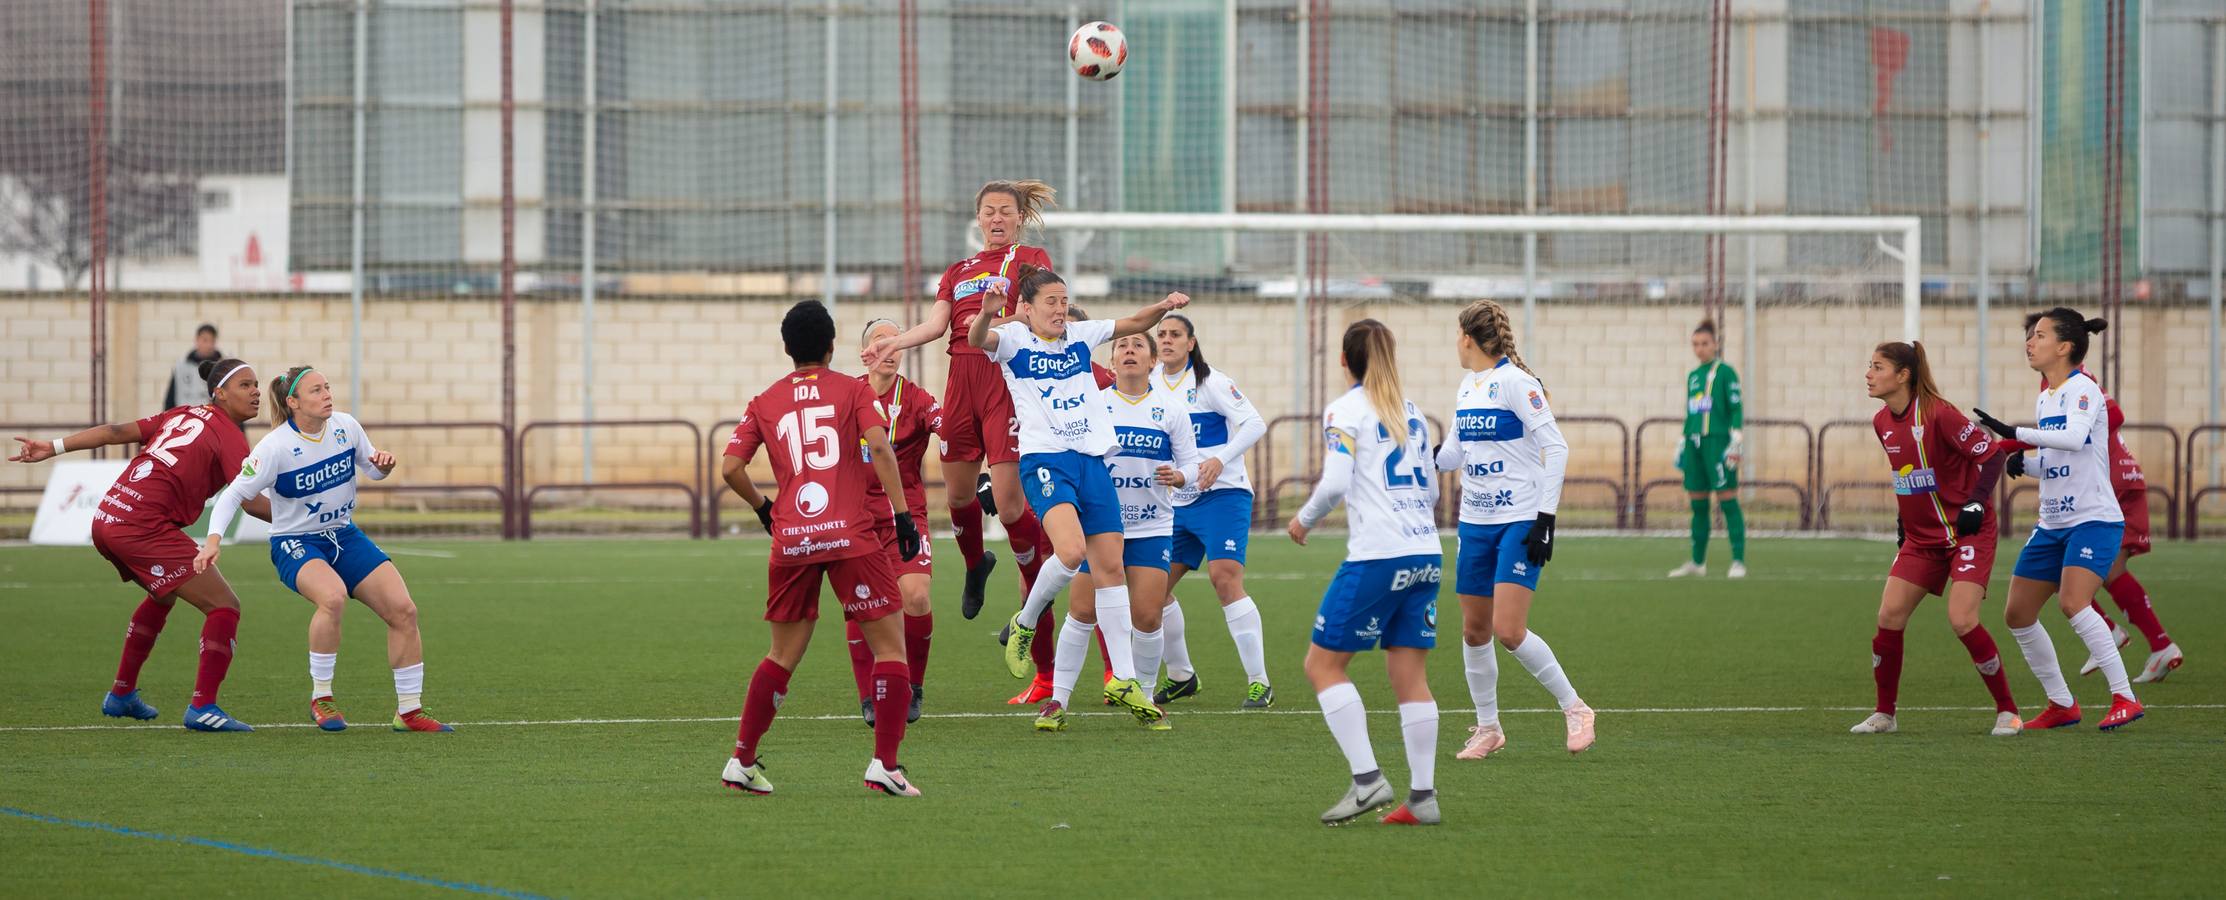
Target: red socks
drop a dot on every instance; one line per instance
(1885, 667)
(1989, 661)
(2134, 599)
(892, 700)
(861, 660)
(139, 641)
(1025, 535)
(917, 629)
(218, 635)
(1105, 654)
(1046, 648)
(767, 689)
(966, 526)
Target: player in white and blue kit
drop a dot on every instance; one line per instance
(1511, 457)
(1213, 517)
(308, 465)
(1066, 431)
(1154, 456)
(1386, 593)
(2081, 526)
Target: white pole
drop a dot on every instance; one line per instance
(2218, 221)
(355, 206)
(1912, 256)
(1750, 357)
(1497, 224)
(1072, 246)
(1983, 288)
(588, 84)
(827, 169)
(1228, 127)
(1530, 168)
(1299, 356)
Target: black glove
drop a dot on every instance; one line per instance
(984, 495)
(1540, 542)
(1970, 518)
(1899, 535)
(765, 514)
(2006, 430)
(908, 537)
(2014, 466)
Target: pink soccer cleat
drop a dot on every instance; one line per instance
(1484, 740)
(1580, 727)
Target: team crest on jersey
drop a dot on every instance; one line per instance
(340, 434)
(1491, 391)
(1159, 413)
(1917, 432)
(2083, 401)
(1537, 402)
(1233, 395)
(1191, 396)
(147, 467)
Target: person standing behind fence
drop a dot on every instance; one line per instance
(1710, 452)
(186, 386)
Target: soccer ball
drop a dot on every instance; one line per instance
(1097, 51)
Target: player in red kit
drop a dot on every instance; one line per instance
(977, 410)
(1944, 469)
(828, 439)
(914, 417)
(187, 454)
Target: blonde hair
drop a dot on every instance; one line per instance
(1486, 323)
(282, 389)
(1027, 193)
(1370, 354)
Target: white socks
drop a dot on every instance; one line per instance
(2088, 625)
(1348, 723)
(409, 682)
(1418, 724)
(1178, 653)
(1066, 664)
(1539, 659)
(1147, 647)
(1244, 628)
(1050, 580)
(1118, 628)
(1482, 666)
(2040, 656)
(320, 673)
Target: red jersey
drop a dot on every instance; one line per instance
(812, 423)
(1103, 375)
(967, 280)
(914, 416)
(188, 454)
(1935, 454)
(2125, 471)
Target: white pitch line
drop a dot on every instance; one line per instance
(694, 720)
(413, 551)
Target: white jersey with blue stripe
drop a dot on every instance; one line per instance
(1152, 431)
(2073, 447)
(1383, 476)
(1503, 436)
(1223, 423)
(1055, 397)
(311, 479)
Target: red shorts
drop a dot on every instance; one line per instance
(2134, 502)
(866, 586)
(158, 559)
(1933, 568)
(923, 564)
(978, 417)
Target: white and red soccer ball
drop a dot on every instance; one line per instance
(1097, 51)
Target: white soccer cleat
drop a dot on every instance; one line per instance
(888, 781)
(2119, 636)
(1738, 570)
(747, 779)
(1877, 723)
(1484, 740)
(1359, 801)
(1580, 727)
(2160, 664)
(1690, 568)
(2007, 725)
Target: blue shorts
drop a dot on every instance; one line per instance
(1494, 554)
(347, 550)
(1217, 525)
(1381, 602)
(1148, 552)
(2088, 545)
(1050, 479)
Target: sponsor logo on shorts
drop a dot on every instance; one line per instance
(809, 547)
(1428, 573)
(862, 591)
(156, 571)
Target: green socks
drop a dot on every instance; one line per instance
(1700, 532)
(1735, 525)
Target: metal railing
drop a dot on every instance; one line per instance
(693, 488)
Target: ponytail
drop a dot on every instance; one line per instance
(1369, 353)
(282, 389)
(1030, 195)
(1198, 367)
(1486, 323)
(2069, 326)
(1910, 358)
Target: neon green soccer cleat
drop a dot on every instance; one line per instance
(1128, 695)
(1016, 649)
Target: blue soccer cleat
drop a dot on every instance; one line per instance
(212, 718)
(128, 706)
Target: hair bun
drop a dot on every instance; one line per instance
(207, 368)
(2097, 326)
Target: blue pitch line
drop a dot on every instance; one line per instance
(266, 853)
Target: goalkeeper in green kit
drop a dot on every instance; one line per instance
(1710, 452)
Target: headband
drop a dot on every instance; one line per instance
(235, 370)
(295, 384)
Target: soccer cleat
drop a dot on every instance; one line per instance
(2160, 664)
(2119, 636)
(1128, 695)
(913, 715)
(1413, 813)
(327, 714)
(129, 706)
(1017, 662)
(211, 718)
(1052, 717)
(2123, 710)
(1690, 568)
(865, 709)
(1036, 692)
(1171, 690)
(1484, 740)
(1109, 683)
(749, 779)
(2055, 717)
(1738, 570)
(417, 720)
(2007, 724)
(1580, 727)
(1876, 723)
(1258, 696)
(977, 581)
(888, 781)
(1359, 800)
